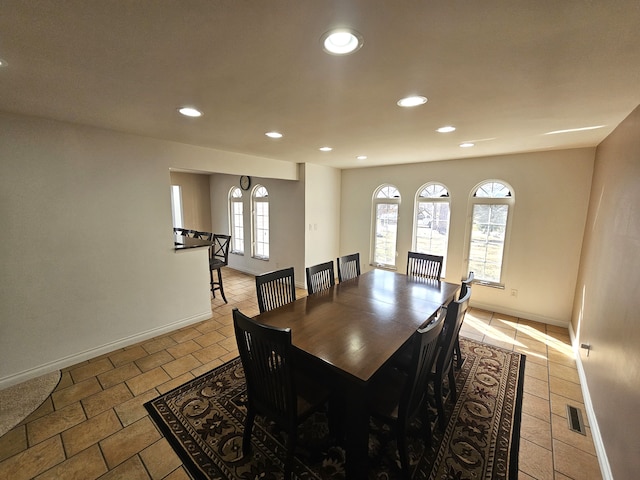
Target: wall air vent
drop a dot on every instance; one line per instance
(576, 424)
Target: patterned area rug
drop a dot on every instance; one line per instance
(203, 421)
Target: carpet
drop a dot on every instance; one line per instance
(19, 401)
(203, 421)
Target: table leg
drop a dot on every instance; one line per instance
(357, 433)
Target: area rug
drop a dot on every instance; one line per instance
(203, 421)
(19, 401)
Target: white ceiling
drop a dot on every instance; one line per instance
(503, 72)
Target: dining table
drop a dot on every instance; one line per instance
(351, 330)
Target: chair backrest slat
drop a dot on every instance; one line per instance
(320, 277)
(220, 248)
(466, 284)
(265, 353)
(348, 267)
(424, 265)
(425, 346)
(275, 289)
(456, 311)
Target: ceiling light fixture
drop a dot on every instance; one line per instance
(273, 134)
(467, 145)
(581, 129)
(3, 63)
(341, 41)
(447, 129)
(361, 157)
(413, 101)
(190, 112)
(325, 149)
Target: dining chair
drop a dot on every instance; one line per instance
(424, 265)
(218, 258)
(203, 235)
(465, 285)
(444, 362)
(399, 397)
(320, 277)
(348, 267)
(275, 289)
(273, 387)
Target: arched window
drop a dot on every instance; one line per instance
(386, 201)
(431, 221)
(260, 220)
(491, 202)
(236, 220)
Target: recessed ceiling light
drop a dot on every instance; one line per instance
(190, 112)
(361, 157)
(467, 145)
(273, 134)
(325, 149)
(412, 101)
(447, 129)
(581, 129)
(341, 41)
(3, 63)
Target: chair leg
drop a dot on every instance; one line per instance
(213, 288)
(246, 436)
(402, 450)
(458, 353)
(221, 287)
(438, 394)
(452, 385)
(291, 448)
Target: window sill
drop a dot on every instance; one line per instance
(481, 283)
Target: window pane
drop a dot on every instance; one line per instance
(262, 229)
(388, 191)
(238, 227)
(385, 233)
(432, 227)
(493, 190)
(486, 248)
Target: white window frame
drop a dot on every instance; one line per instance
(434, 193)
(260, 222)
(236, 220)
(176, 206)
(389, 195)
(489, 196)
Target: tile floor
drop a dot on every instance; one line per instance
(94, 425)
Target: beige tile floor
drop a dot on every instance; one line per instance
(94, 425)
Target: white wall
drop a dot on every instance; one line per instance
(286, 223)
(88, 263)
(551, 200)
(321, 214)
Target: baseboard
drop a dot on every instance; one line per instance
(601, 453)
(519, 314)
(101, 350)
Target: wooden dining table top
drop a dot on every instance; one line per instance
(357, 325)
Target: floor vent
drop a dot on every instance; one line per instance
(576, 424)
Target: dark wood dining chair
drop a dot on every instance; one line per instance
(273, 387)
(465, 285)
(456, 311)
(275, 289)
(348, 267)
(320, 277)
(398, 397)
(424, 265)
(218, 258)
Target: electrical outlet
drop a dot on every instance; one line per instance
(514, 292)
